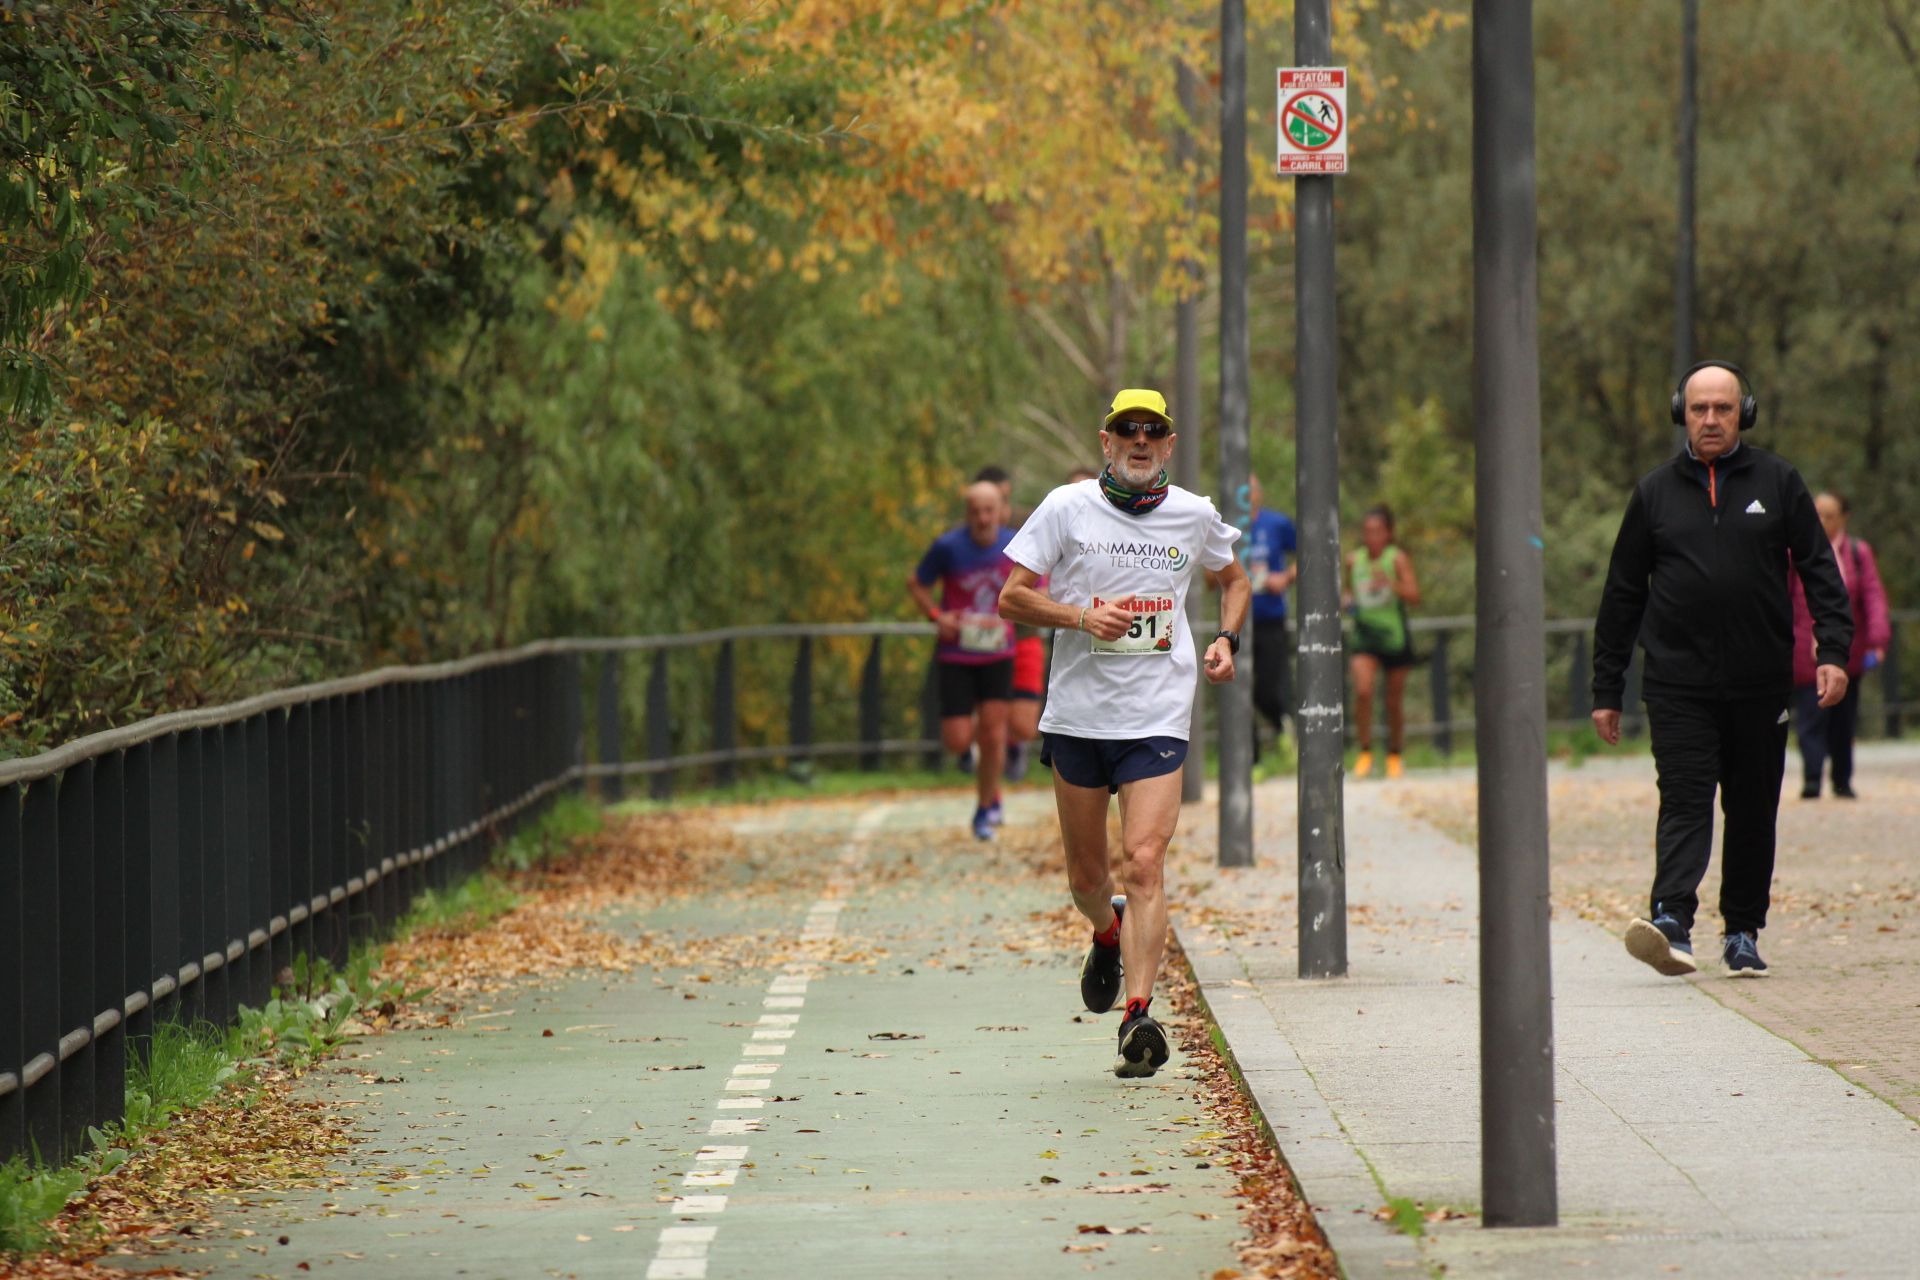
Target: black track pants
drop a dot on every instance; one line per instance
(1273, 673)
(1739, 746)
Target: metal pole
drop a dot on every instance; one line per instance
(1320, 715)
(1516, 992)
(1186, 411)
(1687, 126)
(1235, 699)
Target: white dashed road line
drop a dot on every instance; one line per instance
(682, 1251)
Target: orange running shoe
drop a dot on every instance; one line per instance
(1394, 768)
(1363, 764)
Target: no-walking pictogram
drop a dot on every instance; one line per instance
(1313, 120)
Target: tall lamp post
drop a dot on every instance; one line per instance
(1517, 1160)
(1235, 703)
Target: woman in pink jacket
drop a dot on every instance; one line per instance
(1828, 733)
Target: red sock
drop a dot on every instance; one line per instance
(1111, 938)
(1138, 1008)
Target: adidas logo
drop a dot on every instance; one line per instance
(1755, 509)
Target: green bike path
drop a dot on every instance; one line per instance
(906, 1088)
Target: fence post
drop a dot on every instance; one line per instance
(299, 820)
(40, 942)
(1580, 680)
(163, 914)
(872, 712)
(606, 715)
(800, 711)
(1890, 681)
(659, 728)
(1442, 699)
(280, 876)
(107, 1020)
(77, 1005)
(723, 729)
(352, 819)
(233, 937)
(190, 1006)
(261, 853)
(934, 758)
(13, 978)
(137, 965)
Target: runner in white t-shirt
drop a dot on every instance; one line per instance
(1119, 553)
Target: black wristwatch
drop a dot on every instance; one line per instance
(1232, 639)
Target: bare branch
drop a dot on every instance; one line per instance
(1061, 339)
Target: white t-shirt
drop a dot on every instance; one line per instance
(1140, 686)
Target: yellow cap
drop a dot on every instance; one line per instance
(1134, 398)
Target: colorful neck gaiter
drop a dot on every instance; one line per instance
(1135, 502)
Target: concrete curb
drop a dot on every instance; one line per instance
(1327, 1169)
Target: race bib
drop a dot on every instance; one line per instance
(982, 633)
(1151, 632)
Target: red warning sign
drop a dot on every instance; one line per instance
(1313, 120)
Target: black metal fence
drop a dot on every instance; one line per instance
(173, 868)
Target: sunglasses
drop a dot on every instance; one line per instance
(1125, 429)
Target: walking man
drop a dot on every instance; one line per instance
(1119, 553)
(975, 653)
(1699, 575)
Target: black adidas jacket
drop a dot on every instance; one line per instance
(1699, 574)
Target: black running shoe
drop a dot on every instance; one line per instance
(1143, 1047)
(1102, 971)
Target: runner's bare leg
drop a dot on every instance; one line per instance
(1083, 833)
(1149, 811)
(992, 741)
(956, 734)
(1397, 709)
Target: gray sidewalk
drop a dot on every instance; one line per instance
(1691, 1141)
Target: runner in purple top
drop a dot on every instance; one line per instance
(975, 653)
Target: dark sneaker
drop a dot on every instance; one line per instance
(1662, 943)
(1742, 954)
(1102, 971)
(995, 815)
(1811, 791)
(1844, 791)
(966, 761)
(1143, 1047)
(983, 823)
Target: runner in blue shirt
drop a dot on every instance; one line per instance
(975, 652)
(1271, 544)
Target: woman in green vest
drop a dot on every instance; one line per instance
(1381, 586)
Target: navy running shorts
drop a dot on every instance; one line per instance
(1104, 762)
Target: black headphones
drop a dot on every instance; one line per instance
(1749, 407)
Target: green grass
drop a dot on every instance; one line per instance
(30, 1196)
(182, 1068)
(1408, 1218)
(472, 904)
(568, 818)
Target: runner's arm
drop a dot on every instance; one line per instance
(922, 597)
(1021, 600)
(1236, 593)
(1405, 585)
